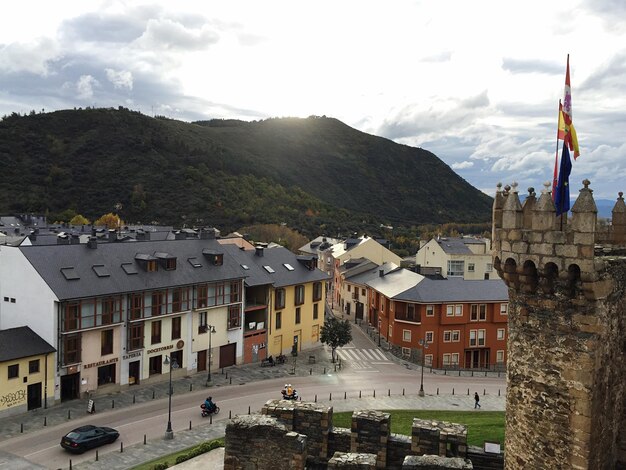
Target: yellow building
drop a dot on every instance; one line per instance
(27, 371)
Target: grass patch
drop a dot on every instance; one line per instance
(170, 460)
(481, 425)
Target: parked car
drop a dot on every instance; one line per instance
(87, 437)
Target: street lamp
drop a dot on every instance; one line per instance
(211, 330)
(379, 323)
(424, 348)
(169, 434)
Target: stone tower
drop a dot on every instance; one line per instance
(566, 372)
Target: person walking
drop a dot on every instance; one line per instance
(476, 400)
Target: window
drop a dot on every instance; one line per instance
(504, 309)
(406, 352)
(500, 356)
(456, 268)
(454, 359)
(155, 364)
(202, 322)
(482, 312)
(157, 303)
(33, 366)
(151, 266)
(349, 287)
(406, 335)
(458, 310)
(317, 291)
(136, 306)
(315, 333)
(456, 336)
(279, 299)
(71, 349)
(410, 312)
(500, 333)
(473, 312)
(298, 315)
(202, 296)
(363, 292)
(481, 337)
(279, 320)
(135, 336)
(470, 267)
(390, 330)
(177, 300)
(14, 371)
(430, 310)
(235, 292)
(234, 317)
(315, 311)
(446, 360)
(72, 316)
(489, 268)
(176, 323)
(156, 332)
(106, 342)
(447, 336)
(170, 264)
(449, 310)
(108, 309)
(429, 336)
(472, 338)
(299, 300)
(428, 360)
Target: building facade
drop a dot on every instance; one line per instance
(466, 257)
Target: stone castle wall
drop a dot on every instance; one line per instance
(567, 331)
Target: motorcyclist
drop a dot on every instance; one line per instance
(289, 390)
(208, 404)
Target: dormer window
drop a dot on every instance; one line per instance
(147, 262)
(310, 262)
(167, 261)
(215, 258)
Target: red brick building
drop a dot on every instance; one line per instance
(463, 324)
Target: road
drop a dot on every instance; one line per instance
(376, 375)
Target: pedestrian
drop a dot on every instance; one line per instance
(476, 400)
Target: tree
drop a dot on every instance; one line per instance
(109, 220)
(336, 333)
(78, 219)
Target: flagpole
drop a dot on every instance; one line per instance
(556, 154)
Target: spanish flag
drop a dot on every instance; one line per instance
(567, 133)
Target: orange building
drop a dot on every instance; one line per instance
(455, 322)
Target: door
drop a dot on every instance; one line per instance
(359, 310)
(70, 386)
(228, 354)
(202, 360)
(34, 396)
(133, 373)
(348, 305)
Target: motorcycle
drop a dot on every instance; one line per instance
(287, 396)
(206, 412)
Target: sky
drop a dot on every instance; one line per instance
(475, 82)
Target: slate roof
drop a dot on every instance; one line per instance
(455, 289)
(368, 272)
(458, 246)
(395, 282)
(276, 258)
(76, 271)
(16, 343)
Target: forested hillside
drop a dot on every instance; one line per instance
(314, 175)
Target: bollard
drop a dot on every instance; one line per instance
(402, 392)
(230, 414)
(190, 386)
(485, 373)
(345, 395)
(121, 447)
(153, 394)
(210, 419)
(359, 393)
(112, 403)
(231, 381)
(437, 390)
(45, 420)
(330, 396)
(222, 371)
(133, 398)
(452, 390)
(96, 455)
(374, 393)
(459, 372)
(498, 392)
(69, 414)
(484, 391)
(21, 427)
(248, 409)
(468, 392)
(316, 398)
(70, 464)
(335, 367)
(190, 425)
(226, 374)
(144, 440)
(311, 371)
(388, 392)
(324, 369)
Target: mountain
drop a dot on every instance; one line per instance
(315, 174)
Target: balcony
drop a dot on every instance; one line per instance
(255, 322)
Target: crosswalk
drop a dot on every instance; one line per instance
(362, 359)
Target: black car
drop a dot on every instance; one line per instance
(87, 437)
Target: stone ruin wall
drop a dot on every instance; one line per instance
(312, 442)
(566, 366)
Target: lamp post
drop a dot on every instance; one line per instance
(169, 434)
(379, 323)
(424, 348)
(211, 330)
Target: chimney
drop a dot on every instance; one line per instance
(179, 235)
(112, 235)
(92, 243)
(33, 235)
(259, 251)
(207, 234)
(74, 240)
(381, 273)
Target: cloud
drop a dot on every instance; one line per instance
(462, 165)
(31, 57)
(531, 66)
(171, 35)
(102, 27)
(84, 87)
(121, 79)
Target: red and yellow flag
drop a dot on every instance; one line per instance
(567, 133)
